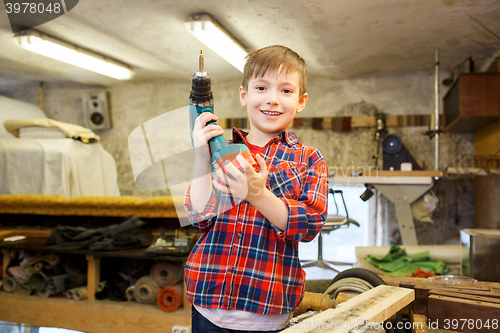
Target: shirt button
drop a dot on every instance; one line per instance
(293, 167)
(240, 235)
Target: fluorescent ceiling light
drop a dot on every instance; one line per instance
(37, 42)
(207, 31)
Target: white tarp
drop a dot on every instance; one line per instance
(62, 167)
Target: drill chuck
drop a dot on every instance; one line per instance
(201, 87)
(201, 100)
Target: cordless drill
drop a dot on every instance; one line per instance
(201, 100)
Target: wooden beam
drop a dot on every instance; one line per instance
(422, 292)
(445, 286)
(93, 275)
(397, 280)
(481, 298)
(90, 316)
(375, 305)
(399, 173)
(5, 262)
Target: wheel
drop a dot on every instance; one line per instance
(360, 273)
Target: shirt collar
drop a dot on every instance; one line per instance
(284, 136)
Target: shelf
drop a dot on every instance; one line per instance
(472, 102)
(37, 244)
(106, 316)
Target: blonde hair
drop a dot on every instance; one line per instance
(278, 59)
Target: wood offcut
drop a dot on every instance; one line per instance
(375, 305)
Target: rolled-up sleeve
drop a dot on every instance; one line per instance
(307, 214)
(201, 220)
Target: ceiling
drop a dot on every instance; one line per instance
(338, 38)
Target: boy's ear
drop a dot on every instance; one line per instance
(302, 103)
(243, 96)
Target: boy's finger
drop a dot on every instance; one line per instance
(233, 171)
(220, 187)
(247, 167)
(221, 176)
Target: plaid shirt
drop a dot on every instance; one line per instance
(244, 262)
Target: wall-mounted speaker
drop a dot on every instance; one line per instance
(396, 153)
(96, 111)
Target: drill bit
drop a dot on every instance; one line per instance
(201, 62)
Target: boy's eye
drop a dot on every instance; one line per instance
(287, 91)
(260, 88)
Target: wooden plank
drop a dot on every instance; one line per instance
(5, 261)
(90, 316)
(445, 286)
(375, 305)
(93, 275)
(465, 296)
(396, 281)
(420, 305)
(25, 232)
(399, 173)
(363, 121)
(469, 316)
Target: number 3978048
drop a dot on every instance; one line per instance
(33, 8)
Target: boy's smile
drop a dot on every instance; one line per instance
(272, 102)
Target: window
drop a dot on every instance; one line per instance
(339, 245)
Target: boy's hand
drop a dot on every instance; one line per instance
(202, 132)
(248, 185)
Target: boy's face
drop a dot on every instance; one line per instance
(272, 102)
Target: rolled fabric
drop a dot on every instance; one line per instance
(117, 291)
(55, 284)
(146, 290)
(38, 281)
(10, 284)
(42, 293)
(103, 294)
(69, 293)
(75, 280)
(38, 266)
(50, 259)
(19, 274)
(79, 294)
(166, 274)
(23, 289)
(54, 270)
(100, 286)
(130, 293)
(29, 269)
(170, 298)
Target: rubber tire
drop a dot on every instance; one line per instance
(360, 273)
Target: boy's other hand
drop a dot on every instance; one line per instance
(247, 185)
(203, 132)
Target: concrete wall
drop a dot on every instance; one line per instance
(134, 103)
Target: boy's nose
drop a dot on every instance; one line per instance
(272, 100)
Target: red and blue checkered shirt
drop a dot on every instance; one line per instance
(244, 262)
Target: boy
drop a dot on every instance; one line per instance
(244, 272)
